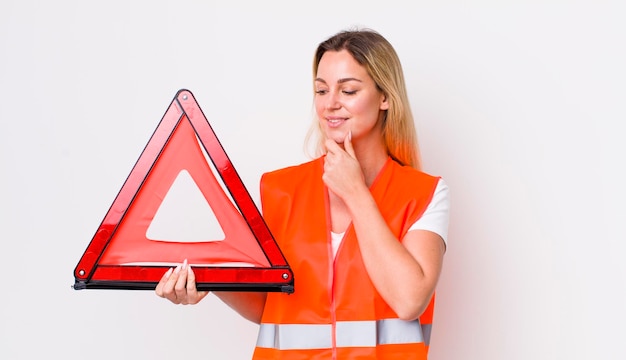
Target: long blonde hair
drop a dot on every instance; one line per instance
(377, 55)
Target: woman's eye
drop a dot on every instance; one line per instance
(347, 92)
(320, 92)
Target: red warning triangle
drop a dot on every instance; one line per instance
(124, 255)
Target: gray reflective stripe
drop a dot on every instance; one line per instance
(348, 334)
(426, 328)
(356, 333)
(396, 331)
(295, 336)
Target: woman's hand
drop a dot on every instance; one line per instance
(342, 171)
(178, 285)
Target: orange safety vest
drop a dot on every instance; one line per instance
(335, 311)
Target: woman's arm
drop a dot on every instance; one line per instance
(404, 272)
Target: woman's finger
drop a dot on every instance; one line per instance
(162, 282)
(347, 145)
(192, 291)
(180, 288)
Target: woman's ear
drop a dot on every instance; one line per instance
(384, 103)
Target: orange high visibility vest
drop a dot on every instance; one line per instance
(335, 311)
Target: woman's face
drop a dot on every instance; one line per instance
(347, 99)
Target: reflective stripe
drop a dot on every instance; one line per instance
(426, 329)
(295, 336)
(396, 331)
(348, 334)
(356, 333)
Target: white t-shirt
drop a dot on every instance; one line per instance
(435, 218)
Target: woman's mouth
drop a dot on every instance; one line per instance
(333, 123)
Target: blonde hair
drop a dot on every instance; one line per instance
(377, 55)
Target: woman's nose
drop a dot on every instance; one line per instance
(333, 101)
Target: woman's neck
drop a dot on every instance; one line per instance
(371, 163)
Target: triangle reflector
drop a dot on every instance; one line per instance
(235, 251)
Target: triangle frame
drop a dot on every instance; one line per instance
(106, 264)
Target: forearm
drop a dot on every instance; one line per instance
(249, 305)
(405, 278)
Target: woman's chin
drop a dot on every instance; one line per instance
(336, 135)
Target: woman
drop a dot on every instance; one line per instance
(363, 229)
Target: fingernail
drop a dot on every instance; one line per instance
(177, 269)
(184, 265)
(168, 273)
(350, 135)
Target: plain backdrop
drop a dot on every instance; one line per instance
(519, 105)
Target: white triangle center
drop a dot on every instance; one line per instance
(185, 215)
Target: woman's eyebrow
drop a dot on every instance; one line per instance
(341, 81)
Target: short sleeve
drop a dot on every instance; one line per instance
(437, 214)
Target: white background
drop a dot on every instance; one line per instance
(519, 105)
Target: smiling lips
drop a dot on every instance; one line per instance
(333, 123)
